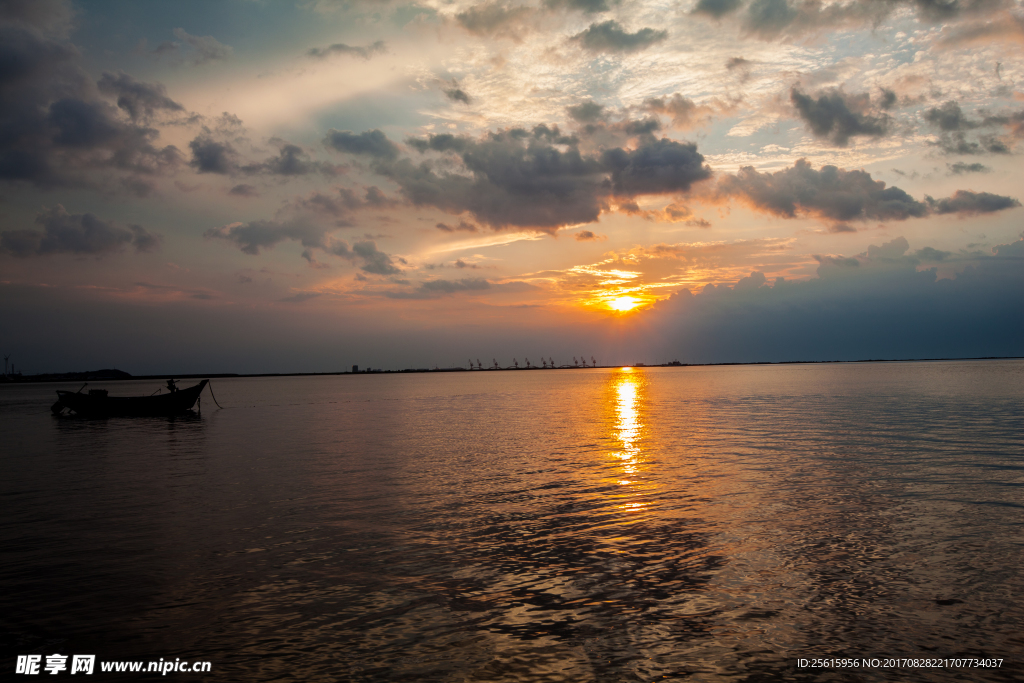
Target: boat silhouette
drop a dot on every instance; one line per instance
(97, 403)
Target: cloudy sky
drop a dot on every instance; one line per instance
(255, 186)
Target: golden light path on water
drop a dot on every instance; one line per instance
(628, 428)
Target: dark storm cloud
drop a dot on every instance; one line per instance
(54, 131)
(837, 117)
(82, 234)
(716, 8)
(371, 143)
(829, 192)
(610, 36)
(876, 305)
(207, 48)
(539, 179)
(960, 168)
(140, 100)
(967, 203)
(364, 51)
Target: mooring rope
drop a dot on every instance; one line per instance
(210, 384)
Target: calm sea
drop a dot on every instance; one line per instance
(698, 524)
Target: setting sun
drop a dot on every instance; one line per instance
(623, 303)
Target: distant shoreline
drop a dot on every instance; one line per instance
(119, 375)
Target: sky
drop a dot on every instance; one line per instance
(257, 186)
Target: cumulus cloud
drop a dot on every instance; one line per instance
(140, 100)
(841, 196)
(371, 143)
(837, 117)
(960, 168)
(954, 125)
(610, 36)
(374, 260)
(539, 179)
(587, 236)
(655, 167)
(364, 51)
(83, 234)
(291, 160)
(586, 112)
(830, 192)
(57, 132)
(212, 156)
(253, 236)
(967, 203)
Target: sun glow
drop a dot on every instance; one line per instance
(624, 303)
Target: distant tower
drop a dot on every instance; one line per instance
(527, 362)
(593, 361)
(495, 363)
(470, 363)
(478, 366)
(355, 368)
(515, 363)
(574, 363)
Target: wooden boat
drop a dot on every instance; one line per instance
(96, 403)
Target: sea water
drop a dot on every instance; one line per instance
(634, 524)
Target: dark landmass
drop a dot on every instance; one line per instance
(112, 374)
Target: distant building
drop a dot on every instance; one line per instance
(355, 368)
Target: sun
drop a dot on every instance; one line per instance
(623, 303)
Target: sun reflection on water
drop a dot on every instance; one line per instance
(628, 430)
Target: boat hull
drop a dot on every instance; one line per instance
(92, 405)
